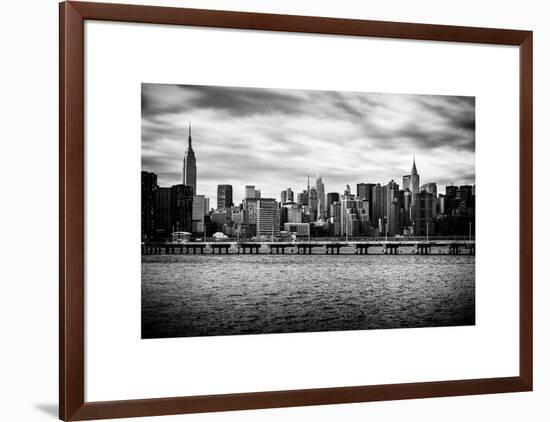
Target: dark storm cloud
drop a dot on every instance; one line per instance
(274, 137)
(232, 102)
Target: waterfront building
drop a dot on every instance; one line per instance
(392, 208)
(298, 229)
(249, 210)
(291, 213)
(354, 226)
(237, 215)
(267, 217)
(221, 219)
(163, 213)
(352, 209)
(148, 188)
(364, 191)
(381, 225)
(332, 197)
(244, 230)
(380, 205)
(225, 196)
(394, 217)
(200, 209)
(336, 218)
(190, 166)
(422, 214)
(182, 208)
(365, 228)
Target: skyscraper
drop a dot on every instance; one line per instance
(352, 209)
(407, 200)
(302, 198)
(200, 209)
(430, 187)
(225, 196)
(422, 214)
(392, 208)
(312, 207)
(148, 188)
(291, 213)
(190, 166)
(163, 212)
(347, 191)
(321, 206)
(364, 191)
(332, 197)
(249, 192)
(267, 217)
(407, 182)
(380, 205)
(182, 208)
(415, 179)
(287, 195)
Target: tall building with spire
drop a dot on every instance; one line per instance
(190, 166)
(321, 206)
(415, 179)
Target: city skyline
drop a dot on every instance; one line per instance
(342, 149)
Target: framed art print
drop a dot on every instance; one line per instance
(270, 210)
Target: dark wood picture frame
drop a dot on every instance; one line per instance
(72, 405)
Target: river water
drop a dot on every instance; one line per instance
(211, 295)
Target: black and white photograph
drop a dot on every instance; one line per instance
(267, 210)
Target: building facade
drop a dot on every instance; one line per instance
(267, 217)
(407, 182)
(298, 229)
(182, 208)
(148, 188)
(200, 210)
(224, 197)
(422, 214)
(163, 213)
(430, 187)
(287, 195)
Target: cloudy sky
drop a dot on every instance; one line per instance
(274, 138)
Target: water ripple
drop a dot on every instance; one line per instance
(194, 295)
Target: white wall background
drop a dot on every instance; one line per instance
(28, 208)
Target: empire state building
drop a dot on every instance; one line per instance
(190, 166)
